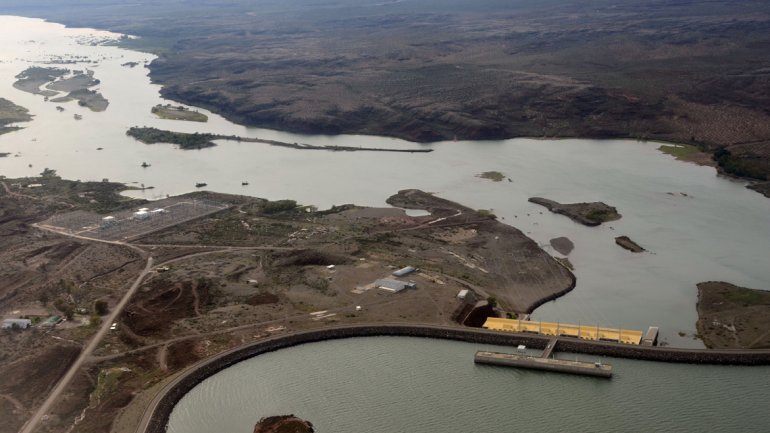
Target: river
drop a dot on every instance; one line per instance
(402, 384)
(696, 225)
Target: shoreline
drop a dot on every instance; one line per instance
(156, 416)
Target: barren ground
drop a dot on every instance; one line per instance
(250, 270)
(732, 317)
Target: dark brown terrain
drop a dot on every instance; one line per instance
(733, 317)
(689, 71)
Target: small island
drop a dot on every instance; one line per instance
(733, 317)
(57, 81)
(90, 99)
(179, 112)
(11, 113)
(494, 176)
(589, 214)
(31, 79)
(182, 139)
(187, 141)
(283, 424)
(627, 243)
(563, 245)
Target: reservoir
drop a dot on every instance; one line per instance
(696, 226)
(403, 384)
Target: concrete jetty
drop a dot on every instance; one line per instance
(544, 362)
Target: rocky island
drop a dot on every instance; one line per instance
(562, 244)
(627, 243)
(283, 424)
(589, 214)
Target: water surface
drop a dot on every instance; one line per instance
(402, 384)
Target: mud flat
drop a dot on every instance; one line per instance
(589, 214)
(627, 243)
(80, 80)
(733, 317)
(31, 79)
(90, 99)
(57, 81)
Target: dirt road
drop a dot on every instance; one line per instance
(33, 422)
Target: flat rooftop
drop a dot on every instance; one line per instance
(584, 332)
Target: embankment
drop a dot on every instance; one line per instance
(158, 413)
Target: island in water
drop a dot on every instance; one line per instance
(178, 112)
(197, 140)
(11, 113)
(589, 214)
(283, 424)
(627, 243)
(62, 85)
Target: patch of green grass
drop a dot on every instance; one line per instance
(106, 383)
(494, 176)
(679, 151)
(744, 296)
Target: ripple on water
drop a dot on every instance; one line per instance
(393, 384)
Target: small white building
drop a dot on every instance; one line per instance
(404, 271)
(16, 323)
(141, 215)
(463, 294)
(394, 286)
(108, 221)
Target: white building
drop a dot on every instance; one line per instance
(16, 323)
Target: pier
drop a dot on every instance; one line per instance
(544, 362)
